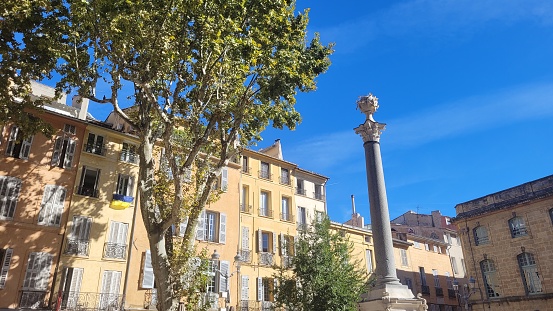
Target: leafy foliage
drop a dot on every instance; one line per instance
(323, 276)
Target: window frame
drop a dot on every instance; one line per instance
(481, 236)
(489, 273)
(10, 188)
(518, 227)
(529, 273)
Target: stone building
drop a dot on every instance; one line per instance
(506, 240)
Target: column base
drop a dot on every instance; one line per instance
(392, 297)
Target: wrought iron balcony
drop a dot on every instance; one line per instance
(425, 289)
(246, 255)
(99, 149)
(265, 212)
(318, 196)
(245, 208)
(265, 175)
(150, 299)
(87, 191)
(287, 217)
(32, 299)
(287, 261)
(301, 226)
(267, 306)
(90, 301)
(266, 259)
(77, 247)
(439, 291)
(129, 157)
(284, 180)
(300, 191)
(115, 250)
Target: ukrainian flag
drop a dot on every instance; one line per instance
(120, 201)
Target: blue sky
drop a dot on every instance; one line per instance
(465, 88)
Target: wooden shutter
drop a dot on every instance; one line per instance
(224, 179)
(282, 245)
(58, 145)
(259, 289)
(111, 282)
(76, 280)
(223, 275)
(222, 228)
(259, 241)
(26, 148)
(200, 227)
(38, 271)
(81, 227)
(182, 227)
(52, 205)
(118, 233)
(245, 238)
(69, 153)
(148, 271)
(245, 295)
(274, 250)
(12, 140)
(10, 186)
(6, 261)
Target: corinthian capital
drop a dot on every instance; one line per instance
(370, 130)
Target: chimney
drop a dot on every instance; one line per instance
(81, 104)
(352, 205)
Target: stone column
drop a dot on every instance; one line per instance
(389, 293)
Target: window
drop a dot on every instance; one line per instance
(224, 179)
(265, 171)
(435, 247)
(518, 227)
(369, 256)
(64, 151)
(109, 296)
(426, 246)
(454, 265)
(264, 204)
(434, 236)
(51, 208)
(71, 286)
(480, 235)
(18, 145)
(404, 260)
(245, 207)
(416, 244)
(37, 274)
(436, 278)
(212, 227)
(529, 272)
(300, 186)
(284, 176)
(302, 218)
(491, 281)
(128, 153)
(245, 250)
(319, 216)
(95, 144)
(5, 262)
(285, 213)
(423, 276)
(89, 182)
(245, 165)
(266, 247)
(125, 185)
(245, 290)
(463, 266)
(448, 281)
(409, 283)
(319, 192)
(9, 192)
(265, 289)
(286, 245)
(116, 247)
(212, 274)
(79, 239)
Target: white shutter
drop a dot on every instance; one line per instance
(76, 280)
(282, 244)
(245, 238)
(58, 145)
(222, 228)
(224, 179)
(10, 186)
(26, 148)
(6, 261)
(38, 271)
(259, 241)
(69, 153)
(12, 140)
(52, 205)
(200, 227)
(223, 275)
(111, 282)
(118, 233)
(81, 227)
(245, 295)
(274, 250)
(182, 227)
(130, 186)
(148, 271)
(259, 289)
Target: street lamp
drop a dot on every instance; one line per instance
(227, 275)
(468, 290)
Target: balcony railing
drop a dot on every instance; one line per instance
(129, 157)
(451, 293)
(318, 196)
(87, 191)
(247, 170)
(150, 299)
(246, 255)
(287, 261)
(287, 217)
(439, 291)
(425, 289)
(300, 191)
(266, 259)
(99, 149)
(32, 299)
(79, 301)
(245, 208)
(301, 226)
(115, 250)
(265, 212)
(284, 180)
(265, 175)
(77, 247)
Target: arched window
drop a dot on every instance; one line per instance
(518, 227)
(529, 272)
(481, 235)
(489, 274)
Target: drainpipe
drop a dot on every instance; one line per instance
(129, 254)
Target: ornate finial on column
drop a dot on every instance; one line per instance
(370, 130)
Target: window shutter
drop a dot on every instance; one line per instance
(245, 238)
(76, 280)
(69, 153)
(81, 227)
(224, 179)
(58, 205)
(274, 250)
(245, 295)
(38, 271)
(223, 275)
(26, 148)
(130, 186)
(259, 241)
(222, 228)
(11, 140)
(8, 253)
(282, 245)
(10, 187)
(200, 227)
(182, 227)
(148, 271)
(58, 145)
(259, 289)
(48, 199)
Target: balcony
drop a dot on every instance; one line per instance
(245, 208)
(265, 212)
(87, 191)
(287, 261)
(266, 259)
(115, 250)
(439, 291)
(98, 149)
(287, 217)
(32, 299)
(451, 293)
(300, 191)
(425, 289)
(129, 157)
(265, 175)
(318, 196)
(77, 247)
(90, 301)
(245, 255)
(150, 299)
(301, 226)
(284, 180)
